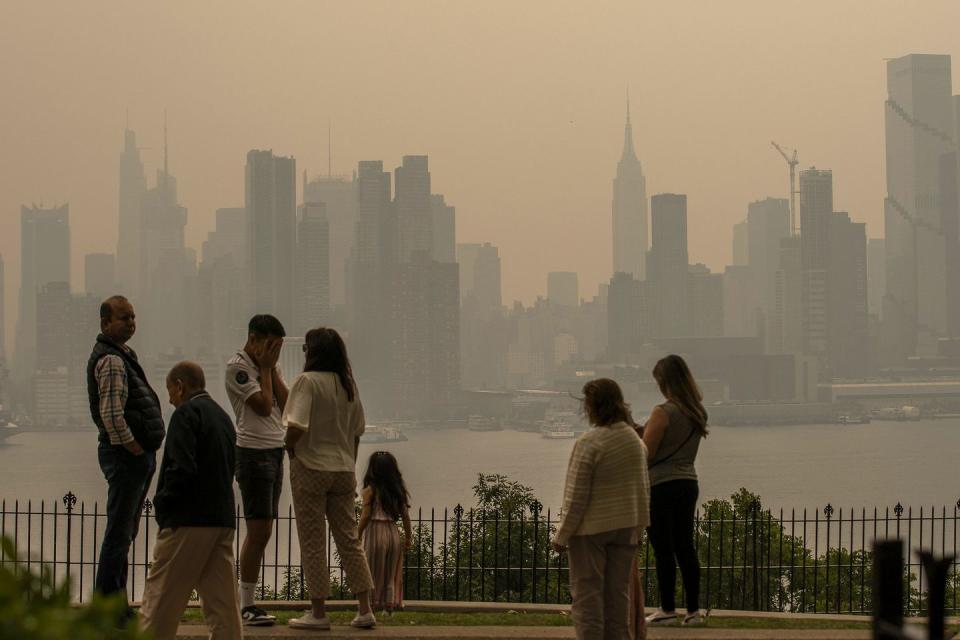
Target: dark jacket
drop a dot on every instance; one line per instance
(142, 410)
(195, 484)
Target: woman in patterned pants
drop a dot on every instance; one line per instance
(324, 420)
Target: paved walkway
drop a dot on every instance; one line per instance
(537, 633)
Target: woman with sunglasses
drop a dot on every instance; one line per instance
(324, 420)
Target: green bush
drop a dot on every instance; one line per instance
(33, 607)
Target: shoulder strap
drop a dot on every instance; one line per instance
(693, 431)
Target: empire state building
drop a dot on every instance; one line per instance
(630, 235)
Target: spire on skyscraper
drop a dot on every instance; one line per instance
(628, 151)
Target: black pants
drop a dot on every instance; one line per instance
(128, 478)
(672, 507)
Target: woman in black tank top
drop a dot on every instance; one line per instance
(672, 435)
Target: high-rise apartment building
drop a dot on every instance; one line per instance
(816, 210)
(741, 315)
(444, 243)
(706, 301)
(631, 316)
(668, 264)
(847, 336)
(100, 274)
(271, 233)
(339, 194)
(480, 274)
(563, 288)
(741, 244)
(483, 339)
(876, 275)
(630, 237)
(313, 267)
(787, 328)
(920, 123)
(44, 259)
(768, 222)
(413, 206)
(132, 188)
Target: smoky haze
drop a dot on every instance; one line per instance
(519, 106)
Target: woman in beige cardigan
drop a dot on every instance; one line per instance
(606, 507)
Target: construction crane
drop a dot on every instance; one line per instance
(792, 162)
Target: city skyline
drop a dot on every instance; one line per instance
(554, 160)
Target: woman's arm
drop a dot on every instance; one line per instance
(291, 439)
(653, 431)
(365, 512)
(407, 529)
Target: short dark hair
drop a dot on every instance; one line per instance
(265, 325)
(106, 307)
(190, 373)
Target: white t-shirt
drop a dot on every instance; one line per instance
(318, 404)
(253, 431)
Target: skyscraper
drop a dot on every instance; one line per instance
(413, 206)
(706, 301)
(483, 339)
(629, 210)
(847, 336)
(668, 263)
(99, 274)
(741, 244)
(444, 242)
(164, 266)
(3, 320)
(787, 329)
(563, 288)
(133, 186)
(876, 275)
(768, 222)
(313, 267)
(339, 194)
(44, 259)
(270, 197)
(816, 209)
(919, 131)
(480, 274)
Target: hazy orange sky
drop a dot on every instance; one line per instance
(519, 105)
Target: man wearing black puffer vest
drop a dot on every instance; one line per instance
(127, 413)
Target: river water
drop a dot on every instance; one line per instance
(878, 464)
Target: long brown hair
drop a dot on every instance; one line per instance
(677, 385)
(604, 404)
(326, 351)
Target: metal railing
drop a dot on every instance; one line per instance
(815, 561)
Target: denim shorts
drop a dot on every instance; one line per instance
(260, 477)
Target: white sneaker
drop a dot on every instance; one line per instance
(365, 621)
(310, 621)
(694, 619)
(661, 617)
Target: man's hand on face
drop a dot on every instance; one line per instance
(270, 353)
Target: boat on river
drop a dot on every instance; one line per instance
(374, 434)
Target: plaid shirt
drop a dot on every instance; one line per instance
(111, 377)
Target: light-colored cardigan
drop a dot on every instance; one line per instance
(607, 483)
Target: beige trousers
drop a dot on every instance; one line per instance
(600, 569)
(188, 558)
(320, 496)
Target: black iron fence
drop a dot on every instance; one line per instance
(814, 561)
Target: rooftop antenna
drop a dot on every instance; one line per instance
(165, 165)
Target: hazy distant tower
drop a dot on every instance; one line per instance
(133, 187)
(270, 197)
(919, 131)
(44, 259)
(669, 264)
(629, 210)
(816, 209)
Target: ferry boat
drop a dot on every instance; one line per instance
(374, 434)
(560, 426)
(481, 423)
(558, 432)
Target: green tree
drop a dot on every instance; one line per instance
(33, 607)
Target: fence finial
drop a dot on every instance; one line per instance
(536, 507)
(828, 511)
(147, 506)
(898, 510)
(69, 501)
